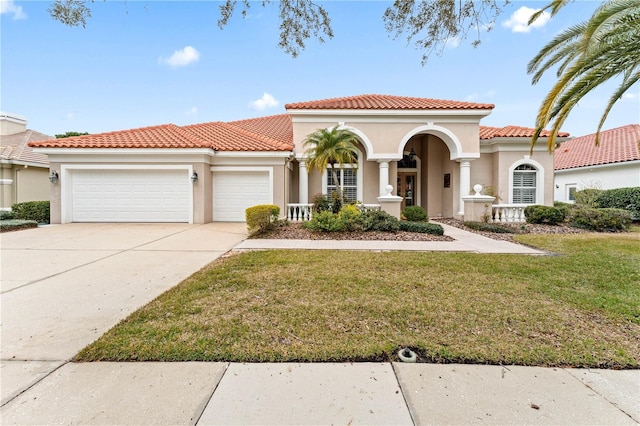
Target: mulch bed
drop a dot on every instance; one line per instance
(295, 231)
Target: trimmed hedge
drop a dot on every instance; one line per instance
(600, 220)
(378, 220)
(16, 225)
(544, 215)
(261, 217)
(32, 210)
(621, 198)
(7, 215)
(415, 214)
(421, 227)
(489, 227)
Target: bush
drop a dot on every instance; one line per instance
(489, 227)
(601, 220)
(378, 220)
(544, 215)
(261, 217)
(32, 210)
(588, 197)
(422, 227)
(7, 215)
(415, 214)
(325, 221)
(321, 203)
(349, 216)
(621, 198)
(16, 224)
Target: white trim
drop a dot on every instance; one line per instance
(25, 163)
(539, 178)
(447, 136)
(14, 118)
(270, 154)
(127, 151)
(359, 177)
(6, 181)
(363, 138)
(66, 204)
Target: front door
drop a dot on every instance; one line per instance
(407, 188)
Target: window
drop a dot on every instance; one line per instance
(571, 192)
(347, 181)
(524, 184)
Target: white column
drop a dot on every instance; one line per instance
(383, 167)
(303, 182)
(465, 182)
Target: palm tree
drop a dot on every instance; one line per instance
(588, 54)
(331, 147)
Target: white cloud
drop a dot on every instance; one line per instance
(181, 58)
(630, 96)
(266, 101)
(8, 6)
(475, 96)
(192, 111)
(452, 42)
(70, 116)
(517, 22)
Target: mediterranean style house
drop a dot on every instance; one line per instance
(412, 151)
(614, 163)
(23, 173)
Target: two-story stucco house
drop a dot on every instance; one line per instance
(418, 151)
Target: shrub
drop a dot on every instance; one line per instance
(422, 227)
(601, 220)
(261, 217)
(325, 221)
(378, 220)
(587, 197)
(415, 214)
(321, 203)
(489, 227)
(32, 210)
(621, 198)
(7, 215)
(544, 214)
(349, 216)
(16, 225)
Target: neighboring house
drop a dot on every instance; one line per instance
(614, 163)
(24, 174)
(432, 152)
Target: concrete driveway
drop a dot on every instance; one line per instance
(63, 286)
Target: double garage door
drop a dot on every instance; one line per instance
(130, 196)
(161, 195)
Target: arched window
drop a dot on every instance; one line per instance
(525, 179)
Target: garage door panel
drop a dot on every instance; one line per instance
(130, 196)
(235, 191)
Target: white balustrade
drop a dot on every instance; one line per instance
(508, 213)
(300, 212)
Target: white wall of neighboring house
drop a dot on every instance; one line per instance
(606, 176)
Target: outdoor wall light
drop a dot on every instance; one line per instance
(53, 177)
(194, 177)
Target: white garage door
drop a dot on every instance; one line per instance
(233, 192)
(130, 196)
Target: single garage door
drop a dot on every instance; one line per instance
(234, 191)
(130, 196)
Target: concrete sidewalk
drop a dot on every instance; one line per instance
(354, 393)
(465, 241)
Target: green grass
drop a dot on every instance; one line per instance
(580, 308)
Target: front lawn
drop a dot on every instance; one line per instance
(580, 308)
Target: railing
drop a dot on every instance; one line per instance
(297, 212)
(508, 213)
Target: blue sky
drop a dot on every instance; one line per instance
(142, 63)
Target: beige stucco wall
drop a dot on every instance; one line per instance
(504, 160)
(6, 186)
(28, 183)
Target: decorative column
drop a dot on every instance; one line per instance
(303, 182)
(465, 182)
(383, 167)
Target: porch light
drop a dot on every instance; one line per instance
(412, 154)
(53, 177)
(194, 177)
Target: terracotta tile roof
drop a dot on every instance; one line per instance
(163, 136)
(386, 102)
(228, 137)
(276, 127)
(616, 146)
(15, 148)
(487, 132)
